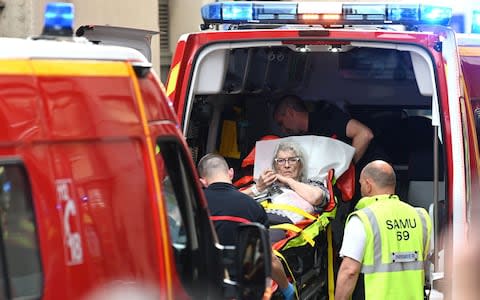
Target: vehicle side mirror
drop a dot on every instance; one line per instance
(254, 261)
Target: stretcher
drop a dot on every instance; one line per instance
(307, 251)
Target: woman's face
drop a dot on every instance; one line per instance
(288, 164)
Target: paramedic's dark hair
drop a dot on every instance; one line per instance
(211, 164)
(291, 101)
(381, 178)
(295, 148)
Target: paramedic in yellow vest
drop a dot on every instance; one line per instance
(386, 241)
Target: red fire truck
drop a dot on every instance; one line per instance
(396, 67)
(98, 190)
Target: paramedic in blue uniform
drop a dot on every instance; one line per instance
(224, 199)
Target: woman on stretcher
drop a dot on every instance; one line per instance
(285, 183)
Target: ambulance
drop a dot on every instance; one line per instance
(99, 196)
(396, 67)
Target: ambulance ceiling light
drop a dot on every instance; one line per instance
(58, 19)
(302, 48)
(335, 48)
(240, 12)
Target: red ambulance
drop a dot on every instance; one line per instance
(98, 190)
(396, 67)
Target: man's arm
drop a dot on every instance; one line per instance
(352, 251)
(347, 278)
(361, 136)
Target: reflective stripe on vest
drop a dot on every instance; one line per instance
(426, 235)
(378, 266)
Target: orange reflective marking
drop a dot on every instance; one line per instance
(156, 182)
(15, 67)
(469, 51)
(79, 68)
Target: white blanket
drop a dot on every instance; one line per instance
(321, 154)
(289, 197)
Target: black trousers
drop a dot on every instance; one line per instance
(277, 234)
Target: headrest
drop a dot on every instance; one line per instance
(249, 160)
(321, 154)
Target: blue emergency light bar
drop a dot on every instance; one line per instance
(324, 13)
(58, 19)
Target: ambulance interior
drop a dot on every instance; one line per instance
(388, 87)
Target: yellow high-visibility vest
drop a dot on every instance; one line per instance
(397, 244)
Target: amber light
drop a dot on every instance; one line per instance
(309, 17)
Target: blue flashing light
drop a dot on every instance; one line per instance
(212, 12)
(419, 14)
(430, 14)
(58, 19)
(364, 9)
(248, 12)
(237, 12)
(476, 21)
(276, 11)
(405, 13)
(352, 13)
(364, 12)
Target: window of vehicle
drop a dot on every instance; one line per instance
(175, 220)
(377, 64)
(20, 254)
(260, 69)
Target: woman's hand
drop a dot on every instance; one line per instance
(266, 179)
(284, 179)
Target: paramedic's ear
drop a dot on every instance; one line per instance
(204, 182)
(368, 186)
(231, 173)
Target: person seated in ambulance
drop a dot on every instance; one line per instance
(285, 184)
(288, 180)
